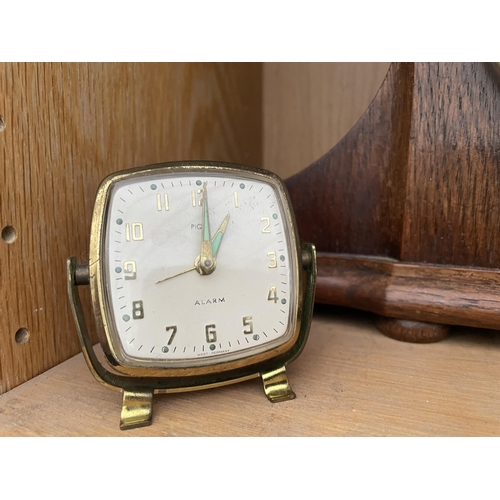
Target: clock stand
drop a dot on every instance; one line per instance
(137, 405)
(405, 210)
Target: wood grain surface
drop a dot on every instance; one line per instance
(351, 200)
(350, 380)
(309, 107)
(65, 127)
(452, 208)
(416, 180)
(430, 293)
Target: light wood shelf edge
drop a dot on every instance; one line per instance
(350, 381)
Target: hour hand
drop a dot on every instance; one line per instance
(217, 239)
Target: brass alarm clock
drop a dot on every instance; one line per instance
(197, 280)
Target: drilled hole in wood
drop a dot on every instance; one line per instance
(9, 234)
(22, 336)
(2, 124)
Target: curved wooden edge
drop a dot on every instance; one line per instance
(420, 292)
(352, 199)
(385, 90)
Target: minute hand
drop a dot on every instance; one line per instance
(207, 261)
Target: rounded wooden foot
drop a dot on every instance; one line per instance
(412, 331)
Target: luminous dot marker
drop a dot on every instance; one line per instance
(118, 269)
(256, 337)
(282, 257)
(275, 216)
(126, 317)
(198, 183)
(164, 349)
(212, 347)
(119, 221)
(242, 186)
(283, 301)
(153, 187)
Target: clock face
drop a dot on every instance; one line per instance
(199, 267)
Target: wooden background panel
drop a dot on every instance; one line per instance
(309, 107)
(66, 127)
(452, 210)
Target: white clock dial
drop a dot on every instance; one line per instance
(168, 307)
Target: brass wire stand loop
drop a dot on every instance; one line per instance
(137, 407)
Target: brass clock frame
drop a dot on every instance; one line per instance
(139, 383)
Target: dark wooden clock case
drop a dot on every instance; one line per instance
(405, 210)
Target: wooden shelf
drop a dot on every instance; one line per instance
(350, 381)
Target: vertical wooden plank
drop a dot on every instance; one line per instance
(452, 208)
(66, 127)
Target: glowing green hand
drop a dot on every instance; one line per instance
(217, 239)
(207, 260)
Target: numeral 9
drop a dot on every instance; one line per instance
(130, 270)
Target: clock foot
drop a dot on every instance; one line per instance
(412, 331)
(276, 385)
(137, 409)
